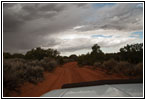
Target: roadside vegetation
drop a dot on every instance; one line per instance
(19, 68)
(129, 61)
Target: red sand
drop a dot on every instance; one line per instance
(68, 73)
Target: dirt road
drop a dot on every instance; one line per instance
(68, 73)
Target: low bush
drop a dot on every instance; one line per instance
(48, 64)
(110, 65)
(60, 60)
(34, 74)
(11, 82)
(125, 68)
(97, 65)
(33, 62)
(138, 71)
(66, 60)
(18, 71)
(11, 75)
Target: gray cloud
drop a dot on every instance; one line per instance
(75, 44)
(29, 25)
(34, 11)
(125, 17)
(16, 15)
(86, 43)
(26, 25)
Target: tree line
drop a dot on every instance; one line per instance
(132, 53)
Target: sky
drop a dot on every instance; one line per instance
(71, 28)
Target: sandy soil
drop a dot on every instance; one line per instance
(68, 73)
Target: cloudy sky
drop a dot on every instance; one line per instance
(71, 28)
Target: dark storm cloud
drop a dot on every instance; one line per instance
(20, 42)
(29, 25)
(17, 14)
(41, 10)
(26, 24)
(11, 21)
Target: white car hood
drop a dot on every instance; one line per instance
(116, 90)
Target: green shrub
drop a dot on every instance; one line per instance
(138, 71)
(48, 64)
(97, 64)
(18, 71)
(11, 82)
(11, 76)
(34, 74)
(60, 60)
(110, 65)
(33, 62)
(125, 67)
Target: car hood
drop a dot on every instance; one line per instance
(114, 90)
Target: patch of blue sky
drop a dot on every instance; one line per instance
(140, 5)
(99, 5)
(137, 34)
(104, 36)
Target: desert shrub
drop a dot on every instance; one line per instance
(15, 66)
(17, 71)
(12, 76)
(84, 60)
(60, 60)
(66, 60)
(138, 71)
(73, 57)
(125, 68)
(97, 65)
(17, 55)
(34, 74)
(7, 55)
(48, 64)
(11, 82)
(39, 53)
(33, 62)
(122, 67)
(110, 64)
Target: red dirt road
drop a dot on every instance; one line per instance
(68, 73)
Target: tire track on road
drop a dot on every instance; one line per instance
(76, 76)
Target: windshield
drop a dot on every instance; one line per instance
(50, 46)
